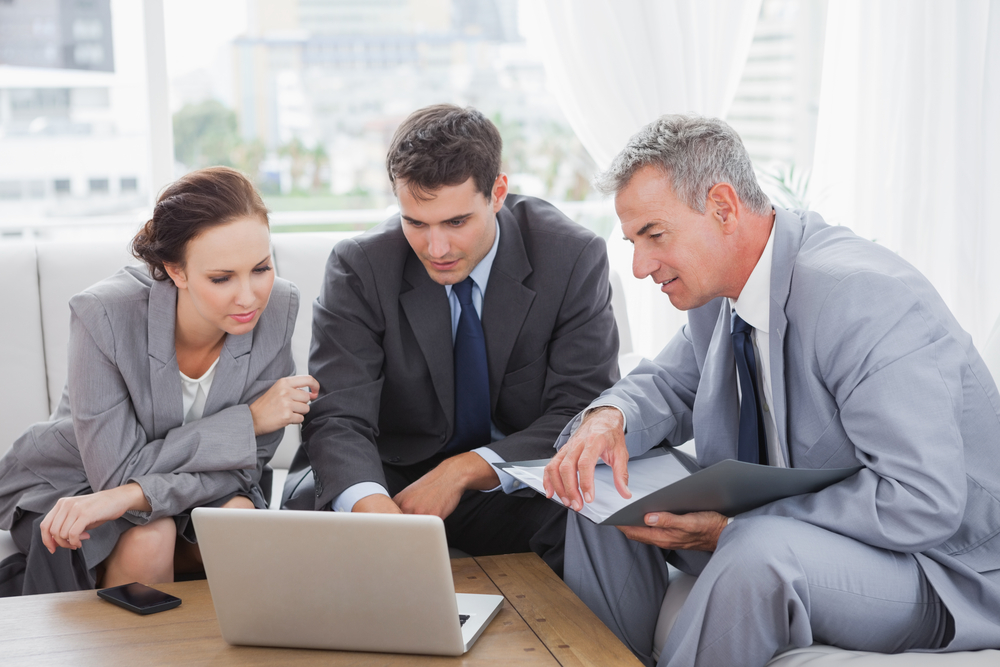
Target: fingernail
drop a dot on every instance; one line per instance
(589, 497)
(651, 519)
(576, 506)
(564, 501)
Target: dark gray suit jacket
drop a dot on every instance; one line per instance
(120, 416)
(382, 347)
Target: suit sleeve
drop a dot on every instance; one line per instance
(194, 464)
(582, 356)
(657, 397)
(346, 359)
(896, 374)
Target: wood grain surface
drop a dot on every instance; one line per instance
(81, 629)
(572, 632)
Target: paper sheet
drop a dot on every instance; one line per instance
(645, 476)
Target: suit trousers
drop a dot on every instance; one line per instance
(772, 583)
(487, 523)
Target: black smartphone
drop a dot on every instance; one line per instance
(139, 598)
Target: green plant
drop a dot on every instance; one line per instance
(786, 185)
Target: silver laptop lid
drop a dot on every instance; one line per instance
(355, 582)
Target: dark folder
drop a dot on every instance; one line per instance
(729, 487)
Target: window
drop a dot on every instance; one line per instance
(313, 95)
(10, 190)
(84, 29)
(88, 54)
(74, 123)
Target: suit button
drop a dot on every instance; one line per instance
(395, 459)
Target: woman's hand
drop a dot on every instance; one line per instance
(284, 403)
(66, 524)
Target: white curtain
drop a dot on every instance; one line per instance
(615, 65)
(908, 140)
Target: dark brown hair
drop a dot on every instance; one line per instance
(189, 206)
(445, 145)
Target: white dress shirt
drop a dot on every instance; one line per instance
(754, 306)
(194, 393)
(480, 277)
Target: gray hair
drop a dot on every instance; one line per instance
(696, 153)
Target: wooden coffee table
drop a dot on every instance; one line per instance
(541, 623)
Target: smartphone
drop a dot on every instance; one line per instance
(139, 598)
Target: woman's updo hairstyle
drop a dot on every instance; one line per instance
(189, 206)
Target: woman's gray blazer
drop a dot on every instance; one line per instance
(119, 419)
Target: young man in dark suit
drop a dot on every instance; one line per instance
(463, 332)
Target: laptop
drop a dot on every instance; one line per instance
(331, 580)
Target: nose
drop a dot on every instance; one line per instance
(642, 263)
(245, 298)
(438, 244)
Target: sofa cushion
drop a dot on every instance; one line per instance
(64, 269)
(817, 655)
(23, 394)
(301, 258)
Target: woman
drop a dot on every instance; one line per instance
(176, 397)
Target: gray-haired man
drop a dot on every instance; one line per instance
(846, 355)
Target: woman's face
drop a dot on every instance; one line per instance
(227, 277)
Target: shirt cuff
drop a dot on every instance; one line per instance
(508, 483)
(345, 501)
(606, 405)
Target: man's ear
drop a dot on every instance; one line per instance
(176, 274)
(499, 193)
(724, 205)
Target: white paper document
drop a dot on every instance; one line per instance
(666, 480)
(645, 476)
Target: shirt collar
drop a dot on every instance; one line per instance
(754, 302)
(481, 272)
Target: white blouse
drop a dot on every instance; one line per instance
(194, 392)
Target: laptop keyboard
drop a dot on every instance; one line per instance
(462, 618)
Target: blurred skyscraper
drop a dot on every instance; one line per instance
(341, 74)
(73, 135)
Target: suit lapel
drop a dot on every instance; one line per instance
(425, 304)
(164, 375)
(507, 301)
(719, 424)
(231, 373)
(787, 239)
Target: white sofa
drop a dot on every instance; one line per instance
(37, 280)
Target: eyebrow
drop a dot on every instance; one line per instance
(231, 271)
(644, 228)
(456, 218)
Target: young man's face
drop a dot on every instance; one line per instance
(451, 229)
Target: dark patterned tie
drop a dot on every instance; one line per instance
(472, 380)
(753, 442)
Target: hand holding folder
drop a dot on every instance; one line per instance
(667, 480)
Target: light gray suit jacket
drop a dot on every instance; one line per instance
(119, 419)
(868, 367)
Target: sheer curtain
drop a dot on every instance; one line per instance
(615, 65)
(908, 140)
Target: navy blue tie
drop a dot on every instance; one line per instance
(753, 442)
(472, 379)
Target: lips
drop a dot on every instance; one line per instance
(444, 266)
(243, 318)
